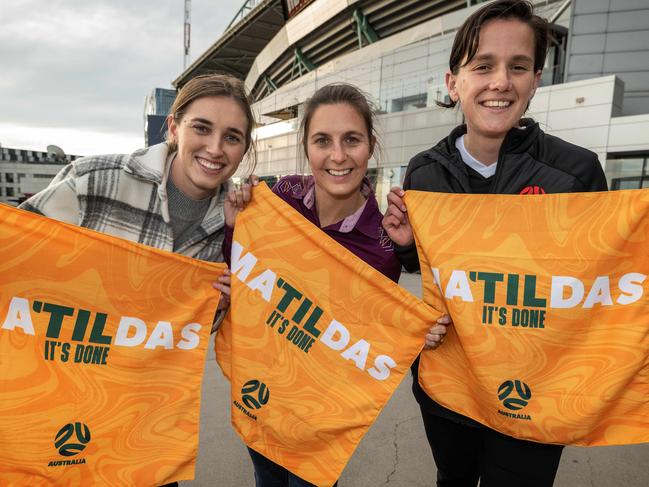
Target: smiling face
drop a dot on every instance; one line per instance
(338, 148)
(211, 143)
(495, 87)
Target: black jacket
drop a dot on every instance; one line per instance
(529, 160)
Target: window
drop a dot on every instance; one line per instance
(9, 177)
(628, 171)
(408, 103)
(10, 192)
(553, 71)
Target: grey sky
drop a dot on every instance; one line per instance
(86, 66)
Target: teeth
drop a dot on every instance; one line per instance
(337, 172)
(497, 103)
(208, 164)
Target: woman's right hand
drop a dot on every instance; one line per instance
(237, 199)
(395, 222)
(436, 334)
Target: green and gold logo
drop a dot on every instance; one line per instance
(514, 394)
(255, 394)
(72, 439)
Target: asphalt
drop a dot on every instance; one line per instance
(394, 452)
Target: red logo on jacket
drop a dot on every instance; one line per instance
(532, 190)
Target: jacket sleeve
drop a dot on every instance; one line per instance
(59, 200)
(596, 179)
(581, 163)
(407, 255)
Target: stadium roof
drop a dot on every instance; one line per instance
(236, 49)
(268, 51)
(320, 31)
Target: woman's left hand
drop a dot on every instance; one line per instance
(437, 332)
(237, 199)
(223, 285)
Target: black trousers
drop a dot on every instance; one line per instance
(270, 474)
(465, 454)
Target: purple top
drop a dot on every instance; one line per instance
(361, 232)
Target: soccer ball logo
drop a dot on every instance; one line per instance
(255, 394)
(69, 446)
(506, 390)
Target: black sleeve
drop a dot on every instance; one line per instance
(596, 180)
(577, 161)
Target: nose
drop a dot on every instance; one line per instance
(337, 154)
(214, 146)
(501, 80)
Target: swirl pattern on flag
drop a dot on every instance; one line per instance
(316, 342)
(102, 349)
(549, 299)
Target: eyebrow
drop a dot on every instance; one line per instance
(207, 122)
(491, 57)
(351, 132)
(202, 120)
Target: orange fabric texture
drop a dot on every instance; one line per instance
(102, 348)
(316, 342)
(549, 298)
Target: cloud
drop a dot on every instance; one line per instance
(80, 65)
(72, 141)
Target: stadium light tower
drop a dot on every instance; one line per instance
(187, 37)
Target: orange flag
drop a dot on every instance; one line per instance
(316, 343)
(102, 349)
(549, 297)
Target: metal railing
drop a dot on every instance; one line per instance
(246, 8)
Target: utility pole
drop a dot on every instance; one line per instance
(188, 14)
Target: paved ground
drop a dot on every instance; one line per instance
(394, 452)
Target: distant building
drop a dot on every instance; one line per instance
(156, 108)
(24, 173)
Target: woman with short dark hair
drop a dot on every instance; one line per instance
(494, 70)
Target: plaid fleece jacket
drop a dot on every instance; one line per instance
(125, 196)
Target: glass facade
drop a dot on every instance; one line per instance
(628, 171)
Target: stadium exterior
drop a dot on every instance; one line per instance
(594, 91)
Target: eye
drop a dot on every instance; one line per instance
(520, 67)
(352, 140)
(321, 141)
(482, 67)
(233, 139)
(201, 129)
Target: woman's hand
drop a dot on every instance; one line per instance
(395, 222)
(223, 285)
(437, 332)
(237, 199)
